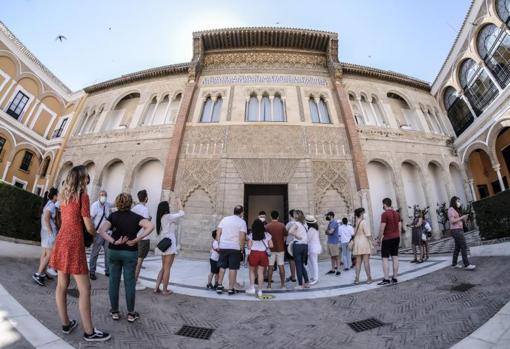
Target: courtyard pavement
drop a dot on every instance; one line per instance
(423, 312)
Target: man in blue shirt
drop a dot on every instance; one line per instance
(333, 243)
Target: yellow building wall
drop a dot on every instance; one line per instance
(28, 176)
(4, 155)
(481, 169)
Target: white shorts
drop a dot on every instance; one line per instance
(278, 257)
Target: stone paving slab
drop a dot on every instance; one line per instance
(420, 313)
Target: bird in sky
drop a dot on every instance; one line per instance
(60, 38)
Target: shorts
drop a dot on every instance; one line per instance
(390, 247)
(278, 257)
(143, 248)
(258, 259)
(287, 255)
(214, 266)
(333, 250)
(229, 259)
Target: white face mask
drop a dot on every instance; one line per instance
(262, 218)
(102, 199)
(458, 204)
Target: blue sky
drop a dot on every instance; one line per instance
(106, 39)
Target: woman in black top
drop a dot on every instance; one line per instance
(123, 252)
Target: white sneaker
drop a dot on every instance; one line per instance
(251, 290)
(458, 266)
(470, 267)
(139, 286)
(259, 293)
(313, 282)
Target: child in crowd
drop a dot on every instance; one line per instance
(215, 248)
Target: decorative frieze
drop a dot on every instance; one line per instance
(264, 79)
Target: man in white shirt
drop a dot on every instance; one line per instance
(292, 263)
(144, 244)
(345, 233)
(231, 234)
(99, 211)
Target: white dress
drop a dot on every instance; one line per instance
(168, 228)
(314, 242)
(48, 238)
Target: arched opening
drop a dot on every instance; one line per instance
(149, 112)
(266, 108)
(503, 10)
(174, 108)
(477, 85)
(252, 108)
(458, 183)
(161, 110)
(278, 108)
(494, 48)
(216, 111)
(122, 113)
(324, 111)
(413, 185)
(484, 176)
(378, 113)
(503, 154)
(91, 169)
(406, 117)
(356, 112)
(367, 111)
(149, 176)
(380, 180)
(113, 179)
(440, 190)
(459, 114)
(45, 167)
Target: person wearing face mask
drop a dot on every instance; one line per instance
(456, 220)
(100, 210)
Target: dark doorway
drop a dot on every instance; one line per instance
(506, 156)
(265, 198)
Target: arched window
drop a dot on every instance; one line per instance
(358, 115)
(406, 117)
(252, 111)
(174, 108)
(367, 111)
(160, 111)
(207, 110)
(494, 48)
(148, 116)
(323, 112)
(379, 116)
(278, 108)
(458, 112)
(478, 87)
(122, 113)
(2, 143)
(314, 110)
(44, 169)
(266, 108)
(217, 109)
(434, 125)
(503, 10)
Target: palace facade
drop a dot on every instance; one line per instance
(265, 117)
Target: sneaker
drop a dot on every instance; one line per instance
(38, 279)
(337, 273)
(330, 272)
(470, 267)
(414, 261)
(139, 286)
(97, 336)
(219, 289)
(394, 280)
(47, 276)
(70, 327)
(132, 317)
(313, 282)
(209, 286)
(457, 266)
(259, 293)
(92, 276)
(384, 282)
(251, 290)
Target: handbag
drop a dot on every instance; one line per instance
(87, 238)
(164, 244)
(350, 246)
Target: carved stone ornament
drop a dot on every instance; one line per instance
(265, 171)
(198, 174)
(251, 58)
(331, 175)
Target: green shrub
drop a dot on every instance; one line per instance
(493, 216)
(19, 213)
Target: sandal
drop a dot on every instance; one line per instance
(219, 289)
(132, 317)
(356, 281)
(369, 280)
(232, 292)
(157, 290)
(115, 315)
(166, 292)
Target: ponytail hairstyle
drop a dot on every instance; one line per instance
(163, 209)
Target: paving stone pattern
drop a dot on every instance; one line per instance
(421, 313)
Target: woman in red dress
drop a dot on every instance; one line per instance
(68, 256)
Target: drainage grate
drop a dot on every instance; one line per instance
(73, 292)
(365, 325)
(462, 287)
(195, 332)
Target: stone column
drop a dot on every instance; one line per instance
(471, 183)
(497, 168)
(402, 203)
(7, 165)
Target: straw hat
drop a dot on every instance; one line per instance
(310, 219)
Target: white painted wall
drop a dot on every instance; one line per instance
(113, 179)
(413, 186)
(149, 177)
(438, 181)
(381, 186)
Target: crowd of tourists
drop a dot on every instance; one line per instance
(69, 224)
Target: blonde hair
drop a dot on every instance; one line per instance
(75, 184)
(123, 201)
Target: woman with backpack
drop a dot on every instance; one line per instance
(48, 235)
(166, 226)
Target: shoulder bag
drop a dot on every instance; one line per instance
(350, 246)
(164, 244)
(268, 250)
